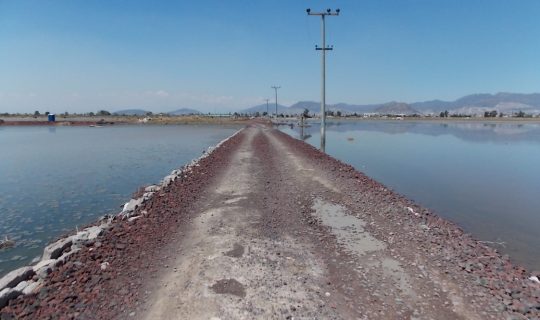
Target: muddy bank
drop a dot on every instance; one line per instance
(267, 226)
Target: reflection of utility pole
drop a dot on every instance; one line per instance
(323, 74)
(302, 127)
(267, 107)
(275, 88)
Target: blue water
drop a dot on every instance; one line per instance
(483, 176)
(54, 179)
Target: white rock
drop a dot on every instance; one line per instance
(43, 264)
(21, 286)
(104, 265)
(56, 249)
(94, 232)
(167, 180)
(147, 196)
(152, 188)
(412, 211)
(62, 259)
(534, 278)
(87, 234)
(13, 278)
(44, 267)
(133, 218)
(132, 205)
(31, 287)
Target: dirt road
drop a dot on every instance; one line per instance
(277, 237)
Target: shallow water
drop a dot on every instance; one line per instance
(54, 179)
(483, 176)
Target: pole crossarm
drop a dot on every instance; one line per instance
(327, 48)
(336, 13)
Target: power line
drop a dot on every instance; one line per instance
(323, 48)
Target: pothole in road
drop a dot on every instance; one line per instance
(229, 286)
(236, 252)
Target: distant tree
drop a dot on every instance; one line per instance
(444, 114)
(501, 115)
(490, 114)
(47, 113)
(520, 114)
(103, 113)
(91, 114)
(257, 114)
(305, 114)
(265, 114)
(338, 113)
(149, 113)
(36, 113)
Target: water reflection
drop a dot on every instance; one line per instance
(468, 131)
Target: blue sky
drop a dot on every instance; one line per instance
(224, 55)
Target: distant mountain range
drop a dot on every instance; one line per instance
(184, 111)
(507, 103)
(272, 109)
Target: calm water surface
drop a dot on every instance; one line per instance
(483, 176)
(53, 179)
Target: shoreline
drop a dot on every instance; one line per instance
(183, 120)
(95, 255)
(117, 120)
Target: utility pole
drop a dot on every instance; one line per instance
(267, 107)
(276, 88)
(323, 63)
